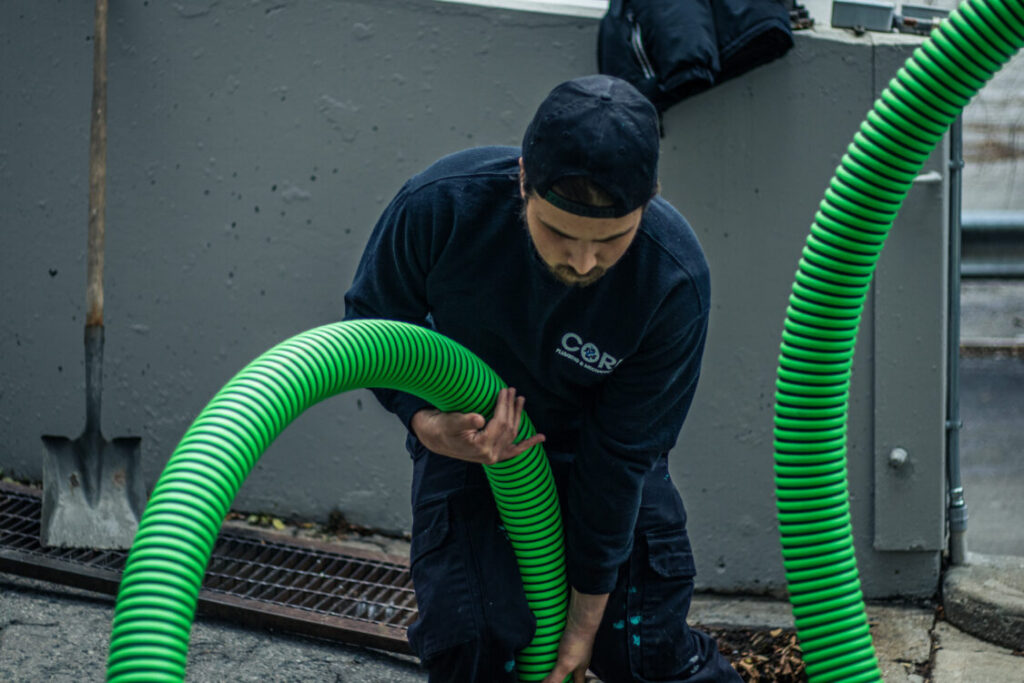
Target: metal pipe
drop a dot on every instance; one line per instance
(993, 221)
(957, 503)
(992, 244)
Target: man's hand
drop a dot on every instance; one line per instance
(468, 436)
(577, 644)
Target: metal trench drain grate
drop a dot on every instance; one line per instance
(301, 586)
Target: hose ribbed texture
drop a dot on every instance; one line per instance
(157, 598)
(906, 123)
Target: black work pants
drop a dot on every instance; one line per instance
(473, 615)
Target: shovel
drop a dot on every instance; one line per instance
(92, 488)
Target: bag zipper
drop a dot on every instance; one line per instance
(636, 42)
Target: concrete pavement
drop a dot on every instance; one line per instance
(914, 643)
(54, 633)
(62, 635)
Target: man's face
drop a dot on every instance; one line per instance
(577, 249)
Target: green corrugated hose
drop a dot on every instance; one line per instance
(157, 598)
(849, 231)
(156, 602)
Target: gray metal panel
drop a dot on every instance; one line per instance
(910, 350)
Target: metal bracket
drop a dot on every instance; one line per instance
(876, 15)
(863, 15)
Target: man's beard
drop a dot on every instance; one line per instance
(567, 275)
(563, 273)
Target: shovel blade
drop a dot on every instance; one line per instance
(93, 493)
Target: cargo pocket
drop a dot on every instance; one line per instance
(446, 614)
(667, 589)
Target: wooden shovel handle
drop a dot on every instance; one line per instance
(97, 170)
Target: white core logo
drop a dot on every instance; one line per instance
(586, 354)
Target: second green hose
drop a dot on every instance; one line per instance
(906, 123)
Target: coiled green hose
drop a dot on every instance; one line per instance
(849, 231)
(157, 598)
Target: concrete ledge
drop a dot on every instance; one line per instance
(591, 9)
(985, 598)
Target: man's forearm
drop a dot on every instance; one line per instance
(586, 611)
(577, 644)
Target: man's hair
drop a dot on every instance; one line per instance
(580, 189)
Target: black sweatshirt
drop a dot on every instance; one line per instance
(608, 371)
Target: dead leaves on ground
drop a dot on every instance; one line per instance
(762, 656)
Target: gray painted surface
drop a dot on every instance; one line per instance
(252, 147)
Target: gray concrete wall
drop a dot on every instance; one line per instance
(252, 146)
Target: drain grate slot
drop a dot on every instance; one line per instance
(305, 587)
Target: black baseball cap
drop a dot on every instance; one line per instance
(600, 127)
